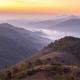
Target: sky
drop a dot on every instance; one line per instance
(40, 6)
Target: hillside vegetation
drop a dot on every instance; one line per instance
(41, 70)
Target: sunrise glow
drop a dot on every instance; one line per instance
(40, 6)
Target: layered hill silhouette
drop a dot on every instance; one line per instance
(17, 44)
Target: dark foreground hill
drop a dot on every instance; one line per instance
(58, 61)
(66, 50)
(17, 43)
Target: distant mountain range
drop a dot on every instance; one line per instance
(71, 24)
(17, 44)
(68, 24)
(65, 50)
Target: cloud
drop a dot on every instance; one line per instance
(54, 34)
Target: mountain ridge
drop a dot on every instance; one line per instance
(17, 43)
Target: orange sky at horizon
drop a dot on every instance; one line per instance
(42, 6)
